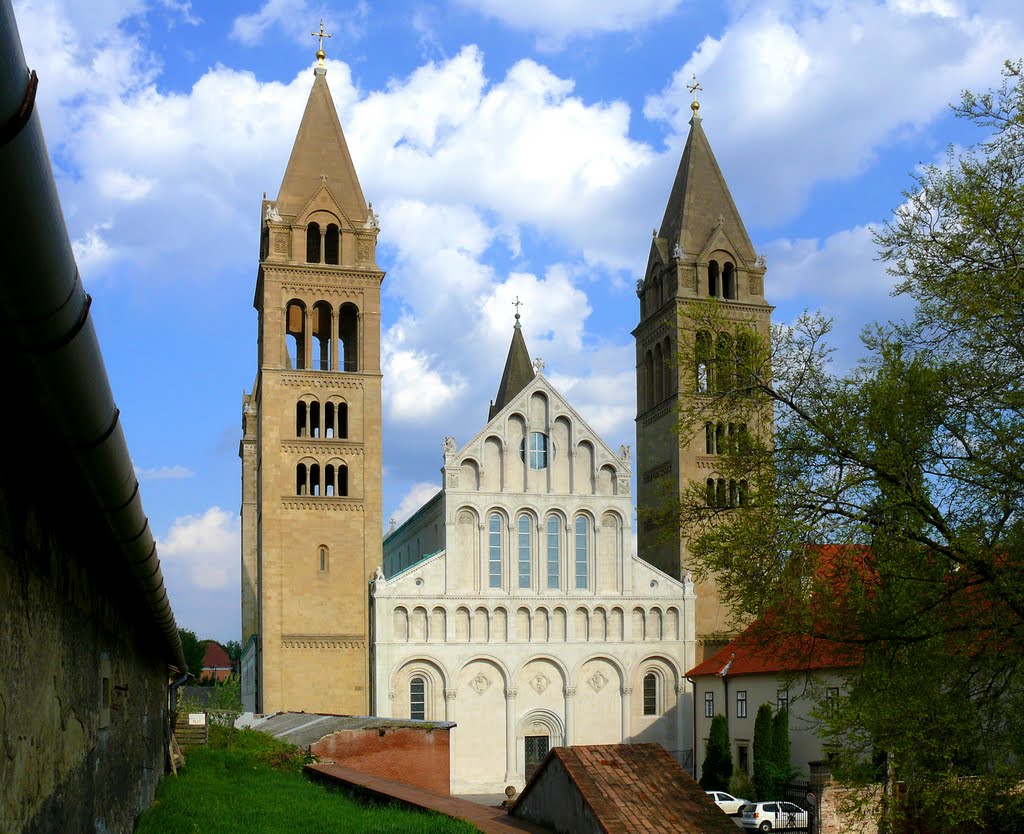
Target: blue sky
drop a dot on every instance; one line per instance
(511, 149)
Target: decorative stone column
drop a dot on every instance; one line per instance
(570, 700)
(680, 690)
(510, 735)
(627, 691)
(449, 704)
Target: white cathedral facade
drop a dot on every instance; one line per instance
(511, 602)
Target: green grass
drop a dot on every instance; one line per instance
(248, 782)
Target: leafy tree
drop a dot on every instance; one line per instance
(781, 761)
(194, 649)
(885, 511)
(234, 650)
(717, 768)
(764, 754)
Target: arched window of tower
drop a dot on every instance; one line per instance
(729, 281)
(313, 243)
(348, 333)
(331, 244)
(713, 279)
(322, 336)
(295, 335)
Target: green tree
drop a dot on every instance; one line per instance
(234, 650)
(194, 649)
(764, 754)
(717, 768)
(781, 760)
(885, 512)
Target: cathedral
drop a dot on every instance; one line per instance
(510, 603)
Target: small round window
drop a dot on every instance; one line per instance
(540, 450)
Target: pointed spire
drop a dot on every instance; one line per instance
(518, 371)
(700, 200)
(320, 156)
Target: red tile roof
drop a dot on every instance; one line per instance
(215, 656)
(632, 789)
(760, 650)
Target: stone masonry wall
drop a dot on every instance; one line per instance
(846, 811)
(82, 684)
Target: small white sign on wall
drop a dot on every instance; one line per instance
(196, 719)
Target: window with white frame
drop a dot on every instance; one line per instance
(782, 700)
(554, 557)
(418, 698)
(709, 704)
(650, 694)
(539, 452)
(525, 526)
(494, 551)
(582, 551)
(741, 703)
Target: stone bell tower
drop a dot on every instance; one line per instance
(699, 258)
(311, 447)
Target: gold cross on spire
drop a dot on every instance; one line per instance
(320, 54)
(693, 89)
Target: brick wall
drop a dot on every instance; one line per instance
(414, 756)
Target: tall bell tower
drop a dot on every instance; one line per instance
(701, 266)
(311, 447)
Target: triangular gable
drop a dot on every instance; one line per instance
(720, 240)
(540, 383)
(323, 200)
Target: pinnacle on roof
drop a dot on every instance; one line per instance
(320, 156)
(518, 371)
(700, 200)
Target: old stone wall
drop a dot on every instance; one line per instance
(82, 682)
(848, 810)
(413, 756)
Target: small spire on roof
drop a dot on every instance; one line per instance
(320, 54)
(693, 89)
(517, 304)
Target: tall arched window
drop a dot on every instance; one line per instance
(729, 281)
(494, 551)
(649, 379)
(314, 419)
(553, 554)
(300, 479)
(331, 242)
(582, 551)
(324, 559)
(744, 361)
(667, 365)
(348, 334)
(300, 419)
(342, 420)
(330, 480)
(525, 526)
(709, 438)
(313, 243)
(314, 479)
(295, 335)
(342, 490)
(329, 423)
(723, 363)
(650, 694)
(709, 492)
(702, 357)
(322, 321)
(418, 699)
(713, 278)
(659, 374)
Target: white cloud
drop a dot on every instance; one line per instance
(799, 94)
(839, 275)
(120, 185)
(293, 18)
(163, 473)
(206, 546)
(413, 391)
(555, 21)
(416, 497)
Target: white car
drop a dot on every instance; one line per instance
(774, 816)
(727, 802)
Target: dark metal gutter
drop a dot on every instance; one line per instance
(47, 331)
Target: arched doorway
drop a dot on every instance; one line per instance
(539, 730)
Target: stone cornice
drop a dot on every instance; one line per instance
(321, 503)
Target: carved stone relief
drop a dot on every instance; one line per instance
(597, 681)
(480, 683)
(540, 682)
